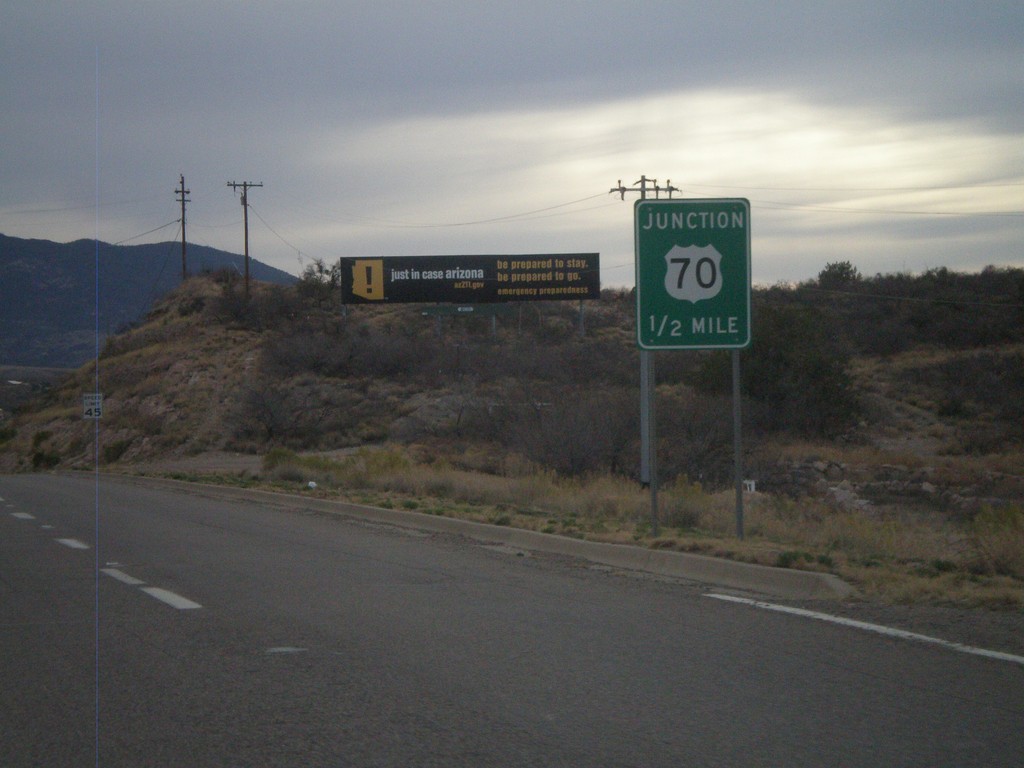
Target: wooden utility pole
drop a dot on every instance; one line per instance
(245, 216)
(181, 192)
(648, 427)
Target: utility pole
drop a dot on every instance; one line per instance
(245, 216)
(648, 430)
(181, 192)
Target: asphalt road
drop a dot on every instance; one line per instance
(149, 627)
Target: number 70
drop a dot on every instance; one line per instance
(706, 271)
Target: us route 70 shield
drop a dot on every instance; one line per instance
(693, 273)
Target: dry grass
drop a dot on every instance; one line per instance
(898, 558)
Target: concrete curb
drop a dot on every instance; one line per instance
(776, 582)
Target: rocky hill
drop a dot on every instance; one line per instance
(883, 419)
(921, 422)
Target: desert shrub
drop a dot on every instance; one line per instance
(682, 513)
(571, 362)
(937, 307)
(266, 307)
(351, 349)
(300, 412)
(695, 437)
(382, 355)
(838, 275)
(45, 459)
(969, 386)
(576, 431)
(263, 409)
(365, 468)
(287, 466)
(272, 306)
(115, 450)
(231, 306)
(191, 306)
(298, 350)
(795, 368)
(382, 461)
(684, 504)
(320, 284)
(275, 457)
(891, 313)
(996, 536)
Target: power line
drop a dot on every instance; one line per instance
(518, 215)
(277, 234)
(934, 188)
(542, 213)
(771, 204)
(776, 205)
(523, 215)
(156, 280)
(918, 299)
(136, 237)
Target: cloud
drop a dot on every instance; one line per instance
(825, 175)
(446, 126)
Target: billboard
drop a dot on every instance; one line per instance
(470, 279)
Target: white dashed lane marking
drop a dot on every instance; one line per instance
(73, 543)
(172, 599)
(123, 577)
(165, 596)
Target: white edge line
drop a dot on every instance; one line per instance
(877, 628)
(123, 577)
(23, 515)
(172, 599)
(73, 543)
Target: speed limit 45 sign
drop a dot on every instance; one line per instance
(693, 273)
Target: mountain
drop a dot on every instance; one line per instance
(50, 292)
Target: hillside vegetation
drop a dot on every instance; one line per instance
(883, 418)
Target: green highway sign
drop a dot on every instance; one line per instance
(692, 273)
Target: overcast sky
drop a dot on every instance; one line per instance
(887, 134)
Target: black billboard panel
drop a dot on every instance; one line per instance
(471, 279)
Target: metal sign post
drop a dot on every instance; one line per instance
(693, 288)
(737, 442)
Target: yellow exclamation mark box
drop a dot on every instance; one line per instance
(368, 279)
